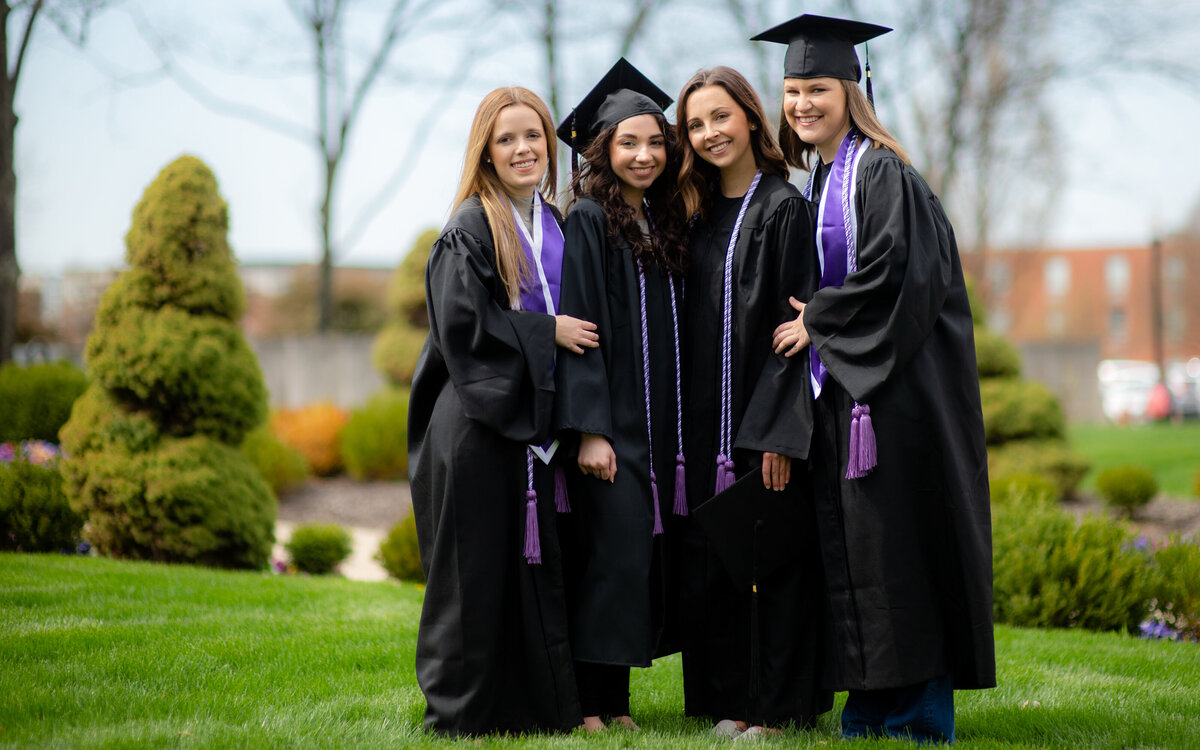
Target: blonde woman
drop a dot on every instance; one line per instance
(492, 650)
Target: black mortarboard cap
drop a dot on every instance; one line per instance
(622, 93)
(753, 529)
(820, 47)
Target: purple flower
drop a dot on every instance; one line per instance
(8, 452)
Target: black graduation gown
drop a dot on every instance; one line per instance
(907, 549)
(616, 583)
(772, 403)
(492, 648)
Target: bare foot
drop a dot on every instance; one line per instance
(626, 722)
(593, 724)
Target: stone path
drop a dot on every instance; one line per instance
(368, 510)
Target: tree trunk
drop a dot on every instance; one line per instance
(10, 271)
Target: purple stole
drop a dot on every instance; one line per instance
(837, 235)
(540, 291)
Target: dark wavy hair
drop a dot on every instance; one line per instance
(665, 207)
(698, 178)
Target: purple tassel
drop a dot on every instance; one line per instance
(533, 545)
(561, 503)
(862, 443)
(658, 527)
(725, 476)
(681, 508)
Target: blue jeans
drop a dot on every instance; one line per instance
(923, 712)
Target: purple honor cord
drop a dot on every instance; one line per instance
(725, 475)
(836, 242)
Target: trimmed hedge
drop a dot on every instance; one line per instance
(318, 548)
(282, 467)
(34, 513)
(313, 430)
(1127, 487)
(994, 356)
(1052, 459)
(35, 401)
(1020, 410)
(374, 443)
(399, 554)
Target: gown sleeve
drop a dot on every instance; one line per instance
(778, 415)
(583, 402)
(500, 361)
(870, 327)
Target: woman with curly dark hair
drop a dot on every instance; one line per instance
(751, 249)
(624, 254)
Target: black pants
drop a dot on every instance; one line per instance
(603, 688)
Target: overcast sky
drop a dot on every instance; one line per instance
(89, 143)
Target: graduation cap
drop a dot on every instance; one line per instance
(819, 46)
(622, 93)
(754, 531)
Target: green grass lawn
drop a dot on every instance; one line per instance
(102, 654)
(1170, 451)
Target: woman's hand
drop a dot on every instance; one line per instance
(777, 471)
(596, 457)
(574, 334)
(793, 333)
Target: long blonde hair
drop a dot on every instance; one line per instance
(862, 117)
(479, 176)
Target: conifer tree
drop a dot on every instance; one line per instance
(152, 445)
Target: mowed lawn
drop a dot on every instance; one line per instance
(102, 654)
(1170, 451)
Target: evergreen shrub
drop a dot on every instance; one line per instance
(398, 553)
(282, 467)
(1127, 487)
(399, 344)
(1050, 570)
(34, 513)
(396, 350)
(152, 444)
(374, 443)
(1023, 488)
(1019, 410)
(1052, 459)
(318, 548)
(313, 430)
(1177, 593)
(35, 401)
(994, 356)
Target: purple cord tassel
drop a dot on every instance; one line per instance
(561, 503)
(533, 545)
(658, 527)
(725, 476)
(862, 443)
(681, 508)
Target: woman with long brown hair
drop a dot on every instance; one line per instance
(751, 248)
(492, 650)
(900, 468)
(620, 402)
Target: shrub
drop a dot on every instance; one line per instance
(151, 445)
(1196, 485)
(994, 356)
(1051, 459)
(282, 467)
(1126, 487)
(1024, 488)
(1177, 594)
(374, 443)
(313, 430)
(1051, 571)
(398, 345)
(396, 351)
(317, 548)
(34, 513)
(1019, 410)
(35, 401)
(398, 553)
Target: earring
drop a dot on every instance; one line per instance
(753, 126)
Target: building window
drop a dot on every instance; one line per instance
(1117, 325)
(1057, 277)
(1174, 273)
(1000, 321)
(1173, 322)
(1000, 277)
(1116, 275)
